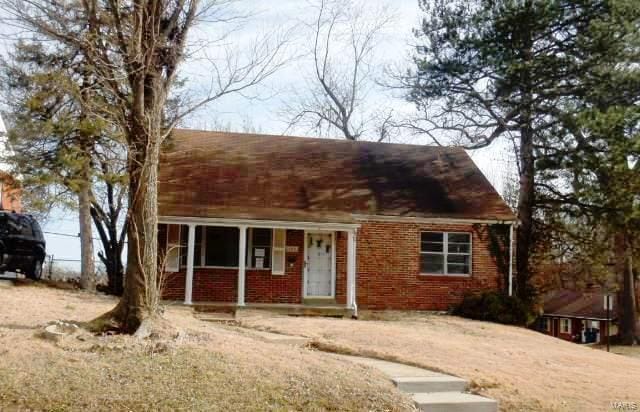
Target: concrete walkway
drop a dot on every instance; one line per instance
(431, 391)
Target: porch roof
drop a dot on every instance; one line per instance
(258, 177)
(252, 213)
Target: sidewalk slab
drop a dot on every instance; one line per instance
(429, 384)
(454, 402)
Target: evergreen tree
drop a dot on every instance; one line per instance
(62, 154)
(594, 155)
(491, 70)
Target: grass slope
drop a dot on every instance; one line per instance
(523, 369)
(208, 368)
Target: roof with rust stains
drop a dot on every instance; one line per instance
(249, 176)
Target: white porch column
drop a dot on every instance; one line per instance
(351, 269)
(242, 253)
(188, 286)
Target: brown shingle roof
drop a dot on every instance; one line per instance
(216, 174)
(573, 304)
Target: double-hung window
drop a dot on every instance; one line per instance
(259, 251)
(267, 249)
(445, 253)
(565, 325)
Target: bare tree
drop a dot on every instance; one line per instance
(133, 49)
(345, 35)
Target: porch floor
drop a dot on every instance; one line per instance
(290, 309)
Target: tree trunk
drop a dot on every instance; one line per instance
(112, 243)
(524, 234)
(141, 296)
(627, 310)
(87, 266)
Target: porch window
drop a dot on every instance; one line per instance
(565, 325)
(445, 253)
(215, 246)
(267, 249)
(259, 251)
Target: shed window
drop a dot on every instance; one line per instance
(545, 324)
(445, 253)
(565, 325)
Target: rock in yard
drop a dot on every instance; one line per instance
(59, 330)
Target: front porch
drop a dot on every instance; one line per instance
(298, 268)
(289, 309)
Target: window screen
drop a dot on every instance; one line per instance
(445, 253)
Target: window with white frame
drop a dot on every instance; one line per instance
(565, 325)
(214, 246)
(259, 249)
(217, 246)
(266, 249)
(445, 253)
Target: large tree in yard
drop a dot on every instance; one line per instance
(133, 49)
(595, 154)
(504, 70)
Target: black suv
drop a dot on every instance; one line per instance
(22, 245)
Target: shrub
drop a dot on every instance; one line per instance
(494, 307)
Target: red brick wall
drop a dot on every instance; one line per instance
(263, 287)
(576, 330)
(388, 268)
(221, 285)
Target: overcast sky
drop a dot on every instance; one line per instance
(262, 107)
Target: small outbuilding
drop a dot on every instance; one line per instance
(576, 316)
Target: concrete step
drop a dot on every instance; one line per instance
(454, 402)
(217, 317)
(417, 384)
(278, 338)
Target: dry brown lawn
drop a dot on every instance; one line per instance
(209, 367)
(632, 351)
(523, 369)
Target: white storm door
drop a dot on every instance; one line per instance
(319, 264)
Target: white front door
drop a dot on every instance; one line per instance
(319, 265)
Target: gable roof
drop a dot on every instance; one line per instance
(235, 175)
(574, 304)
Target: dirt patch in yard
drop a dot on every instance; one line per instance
(206, 367)
(523, 369)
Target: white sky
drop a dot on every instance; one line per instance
(262, 109)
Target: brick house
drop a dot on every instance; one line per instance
(324, 222)
(577, 316)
